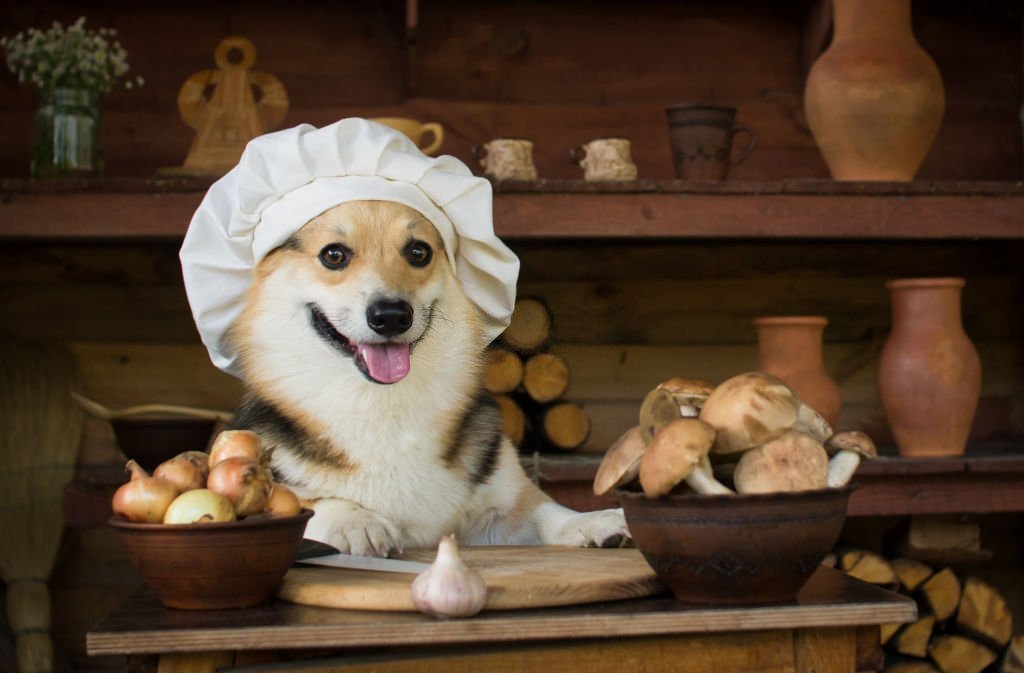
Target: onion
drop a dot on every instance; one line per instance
(242, 481)
(144, 499)
(282, 502)
(199, 506)
(187, 470)
(232, 443)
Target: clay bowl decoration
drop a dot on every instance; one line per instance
(735, 549)
(212, 566)
(150, 440)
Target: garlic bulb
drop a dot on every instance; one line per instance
(449, 588)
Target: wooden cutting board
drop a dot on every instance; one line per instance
(517, 577)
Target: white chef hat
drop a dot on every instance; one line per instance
(286, 178)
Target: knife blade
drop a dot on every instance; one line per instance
(387, 565)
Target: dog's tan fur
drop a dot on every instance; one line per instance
(387, 466)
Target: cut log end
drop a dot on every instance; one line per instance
(529, 328)
(566, 426)
(513, 420)
(984, 613)
(868, 567)
(503, 372)
(942, 593)
(545, 377)
(912, 574)
(959, 654)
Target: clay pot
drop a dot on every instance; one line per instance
(929, 373)
(789, 347)
(874, 100)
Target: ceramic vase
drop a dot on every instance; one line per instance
(929, 373)
(874, 99)
(790, 347)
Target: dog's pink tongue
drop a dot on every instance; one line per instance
(386, 363)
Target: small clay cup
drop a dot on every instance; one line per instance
(213, 566)
(701, 137)
(736, 549)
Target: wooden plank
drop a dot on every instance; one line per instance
(825, 650)
(194, 662)
(142, 626)
(762, 651)
(937, 494)
(523, 215)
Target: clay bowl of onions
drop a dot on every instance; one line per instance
(734, 493)
(210, 531)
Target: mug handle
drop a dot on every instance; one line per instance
(438, 133)
(751, 143)
(577, 154)
(479, 152)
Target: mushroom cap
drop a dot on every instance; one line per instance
(689, 394)
(748, 410)
(621, 462)
(793, 461)
(657, 410)
(675, 451)
(852, 440)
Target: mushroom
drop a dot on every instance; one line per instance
(793, 461)
(847, 450)
(753, 408)
(657, 410)
(678, 453)
(688, 393)
(621, 463)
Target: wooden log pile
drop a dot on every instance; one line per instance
(529, 384)
(964, 624)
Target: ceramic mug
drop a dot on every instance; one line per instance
(605, 159)
(415, 130)
(507, 159)
(701, 136)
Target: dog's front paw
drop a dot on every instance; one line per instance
(351, 529)
(604, 528)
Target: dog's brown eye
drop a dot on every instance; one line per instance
(335, 256)
(418, 253)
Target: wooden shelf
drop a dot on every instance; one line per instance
(155, 209)
(984, 481)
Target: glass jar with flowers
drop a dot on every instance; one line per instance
(70, 68)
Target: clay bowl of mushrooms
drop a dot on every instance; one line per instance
(733, 493)
(210, 531)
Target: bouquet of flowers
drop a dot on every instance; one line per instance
(74, 58)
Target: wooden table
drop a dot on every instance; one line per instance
(830, 628)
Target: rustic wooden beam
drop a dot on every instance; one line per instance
(770, 212)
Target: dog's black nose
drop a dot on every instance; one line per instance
(389, 318)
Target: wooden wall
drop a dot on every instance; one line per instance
(560, 73)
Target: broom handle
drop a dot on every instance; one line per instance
(97, 409)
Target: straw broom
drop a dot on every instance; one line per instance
(40, 427)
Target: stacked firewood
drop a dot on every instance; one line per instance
(964, 624)
(529, 383)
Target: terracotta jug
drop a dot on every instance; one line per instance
(874, 100)
(789, 347)
(929, 374)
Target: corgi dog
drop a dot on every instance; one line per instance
(362, 363)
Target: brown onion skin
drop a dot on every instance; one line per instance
(235, 443)
(182, 472)
(244, 482)
(144, 499)
(283, 502)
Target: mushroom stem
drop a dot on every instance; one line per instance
(702, 481)
(841, 468)
(811, 422)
